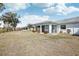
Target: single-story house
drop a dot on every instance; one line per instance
(70, 26)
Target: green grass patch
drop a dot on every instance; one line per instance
(3, 30)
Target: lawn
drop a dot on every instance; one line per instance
(28, 43)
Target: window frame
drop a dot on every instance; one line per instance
(63, 27)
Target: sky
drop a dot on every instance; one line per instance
(31, 13)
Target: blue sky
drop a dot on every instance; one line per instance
(38, 12)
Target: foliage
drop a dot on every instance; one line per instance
(29, 26)
(11, 19)
(2, 7)
(3, 30)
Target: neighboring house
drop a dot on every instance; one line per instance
(70, 26)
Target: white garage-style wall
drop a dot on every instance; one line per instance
(74, 28)
(59, 30)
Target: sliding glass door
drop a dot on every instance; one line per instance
(45, 28)
(54, 28)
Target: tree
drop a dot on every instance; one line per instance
(29, 26)
(15, 20)
(2, 7)
(10, 20)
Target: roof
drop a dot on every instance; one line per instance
(70, 21)
(66, 21)
(45, 23)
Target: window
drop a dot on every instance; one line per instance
(46, 28)
(63, 26)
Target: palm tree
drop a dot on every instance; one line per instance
(10, 20)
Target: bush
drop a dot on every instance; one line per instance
(68, 31)
(33, 31)
(45, 32)
(61, 32)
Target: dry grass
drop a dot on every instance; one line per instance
(29, 43)
(62, 36)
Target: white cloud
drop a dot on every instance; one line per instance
(70, 10)
(43, 5)
(60, 9)
(31, 19)
(49, 10)
(16, 6)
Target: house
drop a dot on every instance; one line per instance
(70, 26)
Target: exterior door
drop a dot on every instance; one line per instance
(43, 28)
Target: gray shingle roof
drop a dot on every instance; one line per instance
(45, 22)
(66, 21)
(71, 20)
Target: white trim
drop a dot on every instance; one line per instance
(40, 28)
(50, 28)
